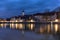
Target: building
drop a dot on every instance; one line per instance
(22, 18)
(1, 24)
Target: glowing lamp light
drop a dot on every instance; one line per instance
(32, 20)
(21, 20)
(56, 20)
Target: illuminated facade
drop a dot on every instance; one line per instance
(3, 25)
(22, 18)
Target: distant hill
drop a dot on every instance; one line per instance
(57, 9)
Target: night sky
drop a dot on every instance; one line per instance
(10, 8)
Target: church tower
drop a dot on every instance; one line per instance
(23, 13)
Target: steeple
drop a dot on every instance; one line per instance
(23, 13)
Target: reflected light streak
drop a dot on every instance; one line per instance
(16, 24)
(2, 25)
(41, 30)
(32, 25)
(12, 25)
(48, 28)
(21, 25)
(56, 25)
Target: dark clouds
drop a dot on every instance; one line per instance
(10, 8)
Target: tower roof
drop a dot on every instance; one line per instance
(23, 13)
(22, 10)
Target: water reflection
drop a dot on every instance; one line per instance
(17, 26)
(56, 27)
(37, 27)
(1, 25)
(41, 28)
(48, 28)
